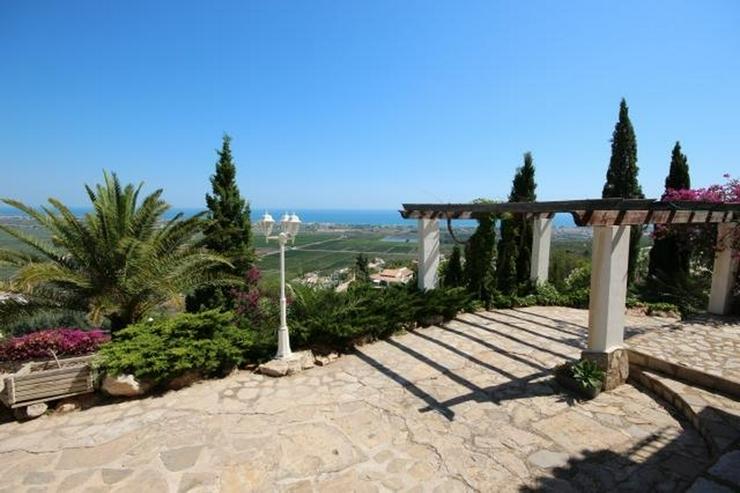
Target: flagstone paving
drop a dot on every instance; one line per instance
(469, 406)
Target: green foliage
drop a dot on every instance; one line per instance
(543, 295)
(621, 177)
(506, 271)
(325, 318)
(587, 374)
(564, 261)
(678, 176)
(47, 319)
(579, 278)
(362, 268)
(208, 342)
(515, 246)
(523, 187)
(524, 190)
(688, 293)
(120, 261)
(452, 276)
(479, 273)
(670, 256)
(228, 231)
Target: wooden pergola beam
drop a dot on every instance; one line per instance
(591, 212)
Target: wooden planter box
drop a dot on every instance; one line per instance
(43, 381)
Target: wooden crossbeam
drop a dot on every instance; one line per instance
(591, 212)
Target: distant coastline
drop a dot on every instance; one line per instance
(345, 217)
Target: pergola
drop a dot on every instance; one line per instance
(611, 220)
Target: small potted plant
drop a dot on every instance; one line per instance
(583, 377)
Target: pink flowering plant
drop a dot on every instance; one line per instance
(702, 238)
(45, 344)
(252, 303)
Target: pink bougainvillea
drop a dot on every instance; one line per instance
(727, 192)
(46, 343)
(702, 236)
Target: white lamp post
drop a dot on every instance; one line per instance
(289, 226)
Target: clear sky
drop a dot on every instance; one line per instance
(349, 104)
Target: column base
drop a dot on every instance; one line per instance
(614, 363)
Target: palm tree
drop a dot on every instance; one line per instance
(119, 261)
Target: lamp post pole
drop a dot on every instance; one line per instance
(289, 225)
(283, 337)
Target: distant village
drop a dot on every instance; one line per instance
(380, 275)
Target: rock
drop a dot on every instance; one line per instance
(281, 367)
(113, 476)
(30, 412)
(185, 380)
(68, 405)
(547, 459)
(325, 359)
(197, 481)
(125, 386)
(180, 459)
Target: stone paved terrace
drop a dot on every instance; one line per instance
(465, 407)
(711, 345)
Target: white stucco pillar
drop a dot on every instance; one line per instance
(606, 310)
(542, 233)
(725, 270)
(428, 253)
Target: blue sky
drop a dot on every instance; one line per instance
(348, 104)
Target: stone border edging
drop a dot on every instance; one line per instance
(684, 373)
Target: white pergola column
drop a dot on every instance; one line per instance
(606, 310)
(542, 233)
(725, 270)
(428, 253)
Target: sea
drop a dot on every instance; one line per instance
(348, 217)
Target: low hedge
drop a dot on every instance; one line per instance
(326, 318)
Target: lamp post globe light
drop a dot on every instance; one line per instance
(289, 226)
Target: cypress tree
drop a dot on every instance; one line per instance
(621, 177)
(479, 257)
(453, 275)
(678, 176)
(362, 268)
(524, 190)
(669, 256)
(228, 229)
(506, 261)
(515, 245)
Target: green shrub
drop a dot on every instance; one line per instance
(208, 342)
(325, 318)
(587, 373)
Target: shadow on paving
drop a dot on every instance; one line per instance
(515, 388)
(576, 342)
(655, 463)
(518, 340)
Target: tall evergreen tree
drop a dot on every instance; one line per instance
(515, 245)
(479, 259)
(669, 256)
(362, 268)
(453, 275)
(678, 176)
(506, 261)
(228, 229)
(621, 177)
